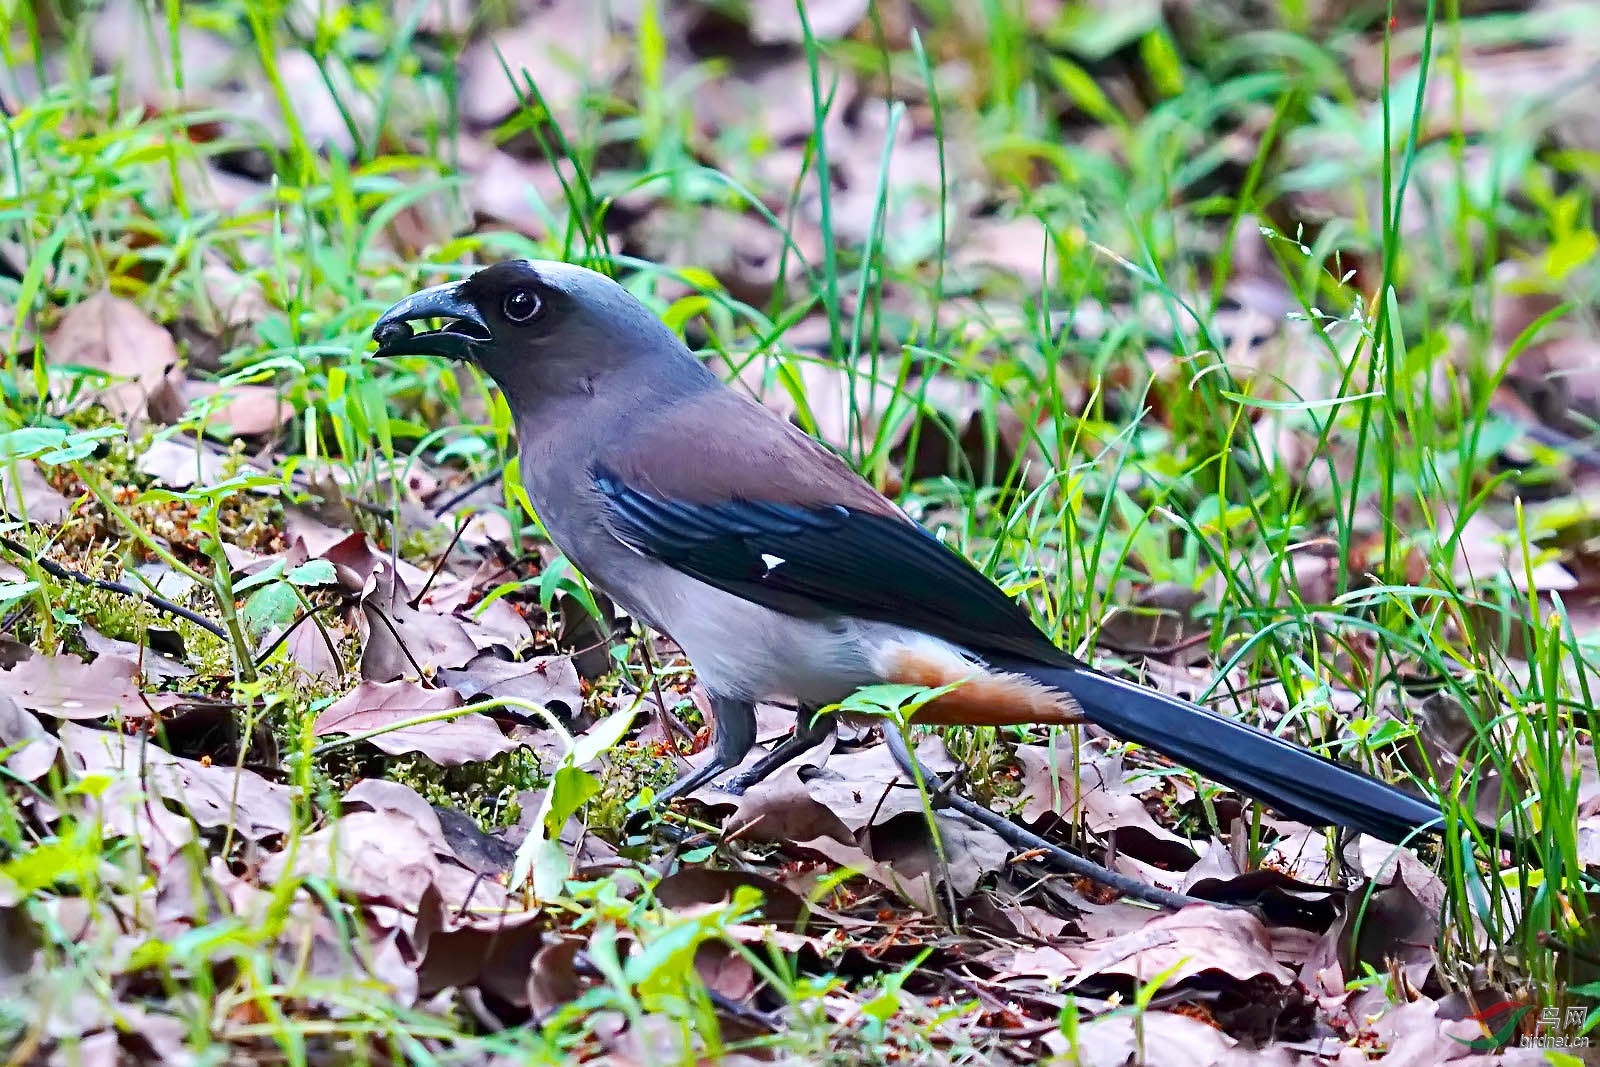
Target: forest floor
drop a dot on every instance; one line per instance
(1257, 356)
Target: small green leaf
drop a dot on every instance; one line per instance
(10, 591)
(1085, 92)
(603, 735)
(1569, 253)
(313, 572)
(271, 606)
(1161, 60)
(570, 788)
(30, 441)
(270, 572)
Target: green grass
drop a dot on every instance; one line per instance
(1111, 436)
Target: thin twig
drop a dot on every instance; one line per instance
(394, 631)
(438, 564)
(1025, 840)
(261, 657)
(456, 498)
(160, 603)
(1018, 837)
(664, 718)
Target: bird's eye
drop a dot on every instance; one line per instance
(521, 305)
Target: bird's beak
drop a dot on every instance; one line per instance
(461, 338)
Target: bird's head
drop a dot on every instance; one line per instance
(535, 326)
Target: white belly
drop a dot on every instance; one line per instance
(743, 650)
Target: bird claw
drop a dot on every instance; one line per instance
(736, 786)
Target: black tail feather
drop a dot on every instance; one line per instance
(1296, 781)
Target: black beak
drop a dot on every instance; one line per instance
(462, 338)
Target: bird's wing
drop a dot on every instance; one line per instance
(826, 560)
(784, 523)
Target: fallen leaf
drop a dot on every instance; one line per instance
(107, 333)
(521, 194)
(25, 493)
(778, 22)
(154, 665)
(373, 705)
(307, 650)
(212, 794)
(563, 45)
(1055, 780)
(493, 951)
(461, 854)
(65, 687)
(1153, 1037)
(553, 980)
(378, 856)
(402, 641)
(548, 680)
(243, 410)
(32, 749)
(179, 463)
(1185, 944)
(692, 887)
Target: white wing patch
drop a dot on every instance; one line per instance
(772, 562)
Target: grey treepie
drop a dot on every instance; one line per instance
(779, 571)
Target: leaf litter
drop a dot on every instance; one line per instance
(383, 886)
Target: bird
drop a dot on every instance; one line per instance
(780, 572)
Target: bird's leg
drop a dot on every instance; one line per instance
(1021, 839)
(810, 730)
(733, 732)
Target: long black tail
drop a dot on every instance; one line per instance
(1297, 782)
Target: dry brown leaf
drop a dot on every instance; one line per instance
(154, 665)
(1019, 248)
(489, 625)
(781, 808)
(138, 48)
(1055, 781)
(548, 680)
(180, 462)
(109, 334)
(378, 856)
(25, 493)
(243, 410)
(317, 110)
(776, 99)
(693, 887)
(461, 862)
(522, 194)
(1487, 550)
(352, 554)
(32, 749)
(493, 950)
(1151, 1037)
(213, 795)
(562, 46)
(306, 649)
(917, 890)
(67, 688)
(778, 22)
(553, 980)
(1180, 946)
(373, 705)
(401, 640)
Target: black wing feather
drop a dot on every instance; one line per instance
(835, 560)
